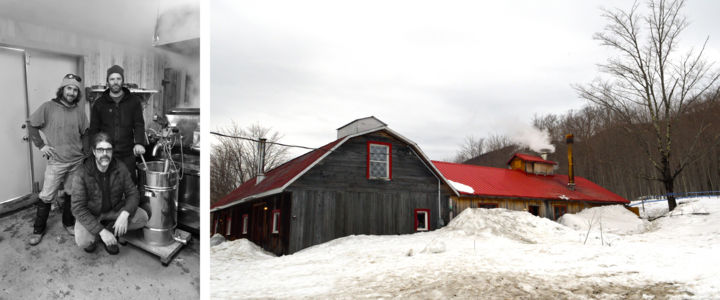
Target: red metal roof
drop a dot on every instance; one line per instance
(277, 177)
(531, 158)
(496, 182)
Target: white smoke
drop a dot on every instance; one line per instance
(529, 136)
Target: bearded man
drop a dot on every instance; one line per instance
(119, 113)
(63, 123)
(104, 199)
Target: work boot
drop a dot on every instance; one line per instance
(41, 216)
(70, 229)
(91, 248)
(112, 250)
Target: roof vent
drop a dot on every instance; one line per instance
(359, 125)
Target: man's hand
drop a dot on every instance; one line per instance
(139, 150)
(49, 152)
(121, 223)
(107, 237)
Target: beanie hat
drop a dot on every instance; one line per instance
(70, 79)
(116, 69)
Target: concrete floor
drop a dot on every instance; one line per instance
(59, 269)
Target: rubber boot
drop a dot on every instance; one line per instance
(41, 216)
(67, 217)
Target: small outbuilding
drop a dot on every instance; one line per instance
(529, 184)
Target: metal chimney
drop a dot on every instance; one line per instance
(261, 161)
(571, 176)
(544, 153)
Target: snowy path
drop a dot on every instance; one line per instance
(492, 254)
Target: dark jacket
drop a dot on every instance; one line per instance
(87, 193)
(123, 121)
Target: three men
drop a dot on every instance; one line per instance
(119, 113)
(63, 124)
(104, 199)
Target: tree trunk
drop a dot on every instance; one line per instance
(669, 190)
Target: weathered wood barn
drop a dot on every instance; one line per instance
(371, 180)
(528, 184)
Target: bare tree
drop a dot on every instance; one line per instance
(650, 86)
(472, 147)
(497, 141)
(233, 160)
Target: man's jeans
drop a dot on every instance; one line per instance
(57, 174)
(84, 238)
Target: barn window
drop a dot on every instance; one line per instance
(422, 219)
(559, 211)
(379, 160)
(276, 221)
(244, 224)
(487, 205)
(229, 222)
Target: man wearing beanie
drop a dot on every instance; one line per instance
(119, 113)
(63, 123)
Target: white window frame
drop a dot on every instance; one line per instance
(427, 220)
(229, 226)
(276, 221)
(387, 161)
(245, 224)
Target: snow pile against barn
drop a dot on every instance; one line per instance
(614, 219)
(495, 253)
(502, 223)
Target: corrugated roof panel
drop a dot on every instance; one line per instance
(496, 182)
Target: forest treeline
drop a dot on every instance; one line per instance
(605, 153)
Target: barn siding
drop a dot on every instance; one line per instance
(260, 223)
(335, 198)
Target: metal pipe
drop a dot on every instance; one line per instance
(571, 175)
(261, 161)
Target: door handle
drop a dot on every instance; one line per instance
(25, 138)
(23, 126)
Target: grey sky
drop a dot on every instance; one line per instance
(436, 72)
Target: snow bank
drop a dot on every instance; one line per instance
(478, 256)
(516, 225)
(216, 239)
(614, 219)
(241, 249)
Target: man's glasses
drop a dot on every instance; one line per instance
(73, 76)
(104, 150)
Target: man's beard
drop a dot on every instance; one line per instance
(71, 101)
(116, 88)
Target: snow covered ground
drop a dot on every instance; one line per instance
(497, 254)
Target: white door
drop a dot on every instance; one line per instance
(15, 178)
(44, 75)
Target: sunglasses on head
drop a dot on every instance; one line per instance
(73, 76)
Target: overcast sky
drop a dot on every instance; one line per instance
(435, 72)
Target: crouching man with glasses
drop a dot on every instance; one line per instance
(104, 199)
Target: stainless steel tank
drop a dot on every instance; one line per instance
(161, 187)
